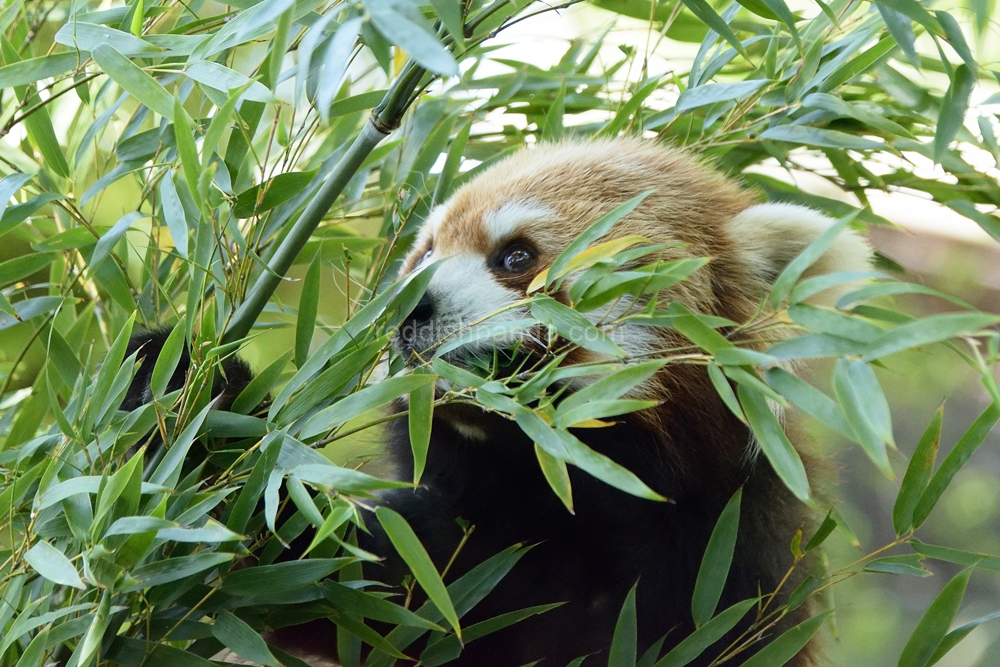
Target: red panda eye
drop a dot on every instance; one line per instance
(427, 255)
(518, 259)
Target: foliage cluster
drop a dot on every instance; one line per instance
(241, 140)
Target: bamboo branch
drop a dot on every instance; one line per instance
(384, 119)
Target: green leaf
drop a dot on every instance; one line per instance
(958, 634)
(419, 422)
(825, 529)
(573, 326)
(277, 191)
(450, 12)
(20, 268)
(449, 647)
(370, 397)
(834, 322)
(52, 564)
(566, 447)
(166, 361)
(10, 186)
(34, 653)
(88, 36)
(953, 31)
(725, 391)
(773, 441)
(623, 643)
(933, 626)
(308, 305)
(960, 454)
(106, 376)
(820, 138)
(174, 215)
(174, 569)
(928, 330)
(953, 109)
(30, 70)
(851, 299)
(557, 475)
(358, 629)
(405, 26)
(187, 151)
(552, 127)
(600, 410)
(709, 17)
(255, 392)
(257, 21)
(117, 483)
(810, 400)
(335, 62)
(711, 93)
(715, 563)
(907, 564)
(134, 80)
(918, 474)
(949, 555)
(222, 78)
(860, 395)
(236, 635)
(169, 470)
(38, 124)
(344, 480)
(697, 330)
(370, 606)
(788, 644)
(487, 331)
(280, 577)
(594, 232)
(695, 644)
(415, 556)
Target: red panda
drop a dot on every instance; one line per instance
(492, 237)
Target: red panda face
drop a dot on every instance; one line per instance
(497, 232)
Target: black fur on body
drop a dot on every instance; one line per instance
(227, 385)
(589, 559)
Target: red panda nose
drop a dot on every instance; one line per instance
(417, 319)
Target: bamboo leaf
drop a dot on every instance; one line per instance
(773, 441)
(623, 650)
(557, 475)
(413, 553)
(421, 416)
(716, 561)
(698, 641)
(236, 635)
(933, 626)
(308, 305)
(134, 80)
(366, 399)
(953, 109)
(52, 564)
(918, 474)
(960, 454)
(788, 644)
(402, 24)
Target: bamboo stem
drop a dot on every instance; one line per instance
(384, 119)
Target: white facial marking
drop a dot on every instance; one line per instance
(507, 220)
(466, 292)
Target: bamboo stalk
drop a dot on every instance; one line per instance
(384, 119)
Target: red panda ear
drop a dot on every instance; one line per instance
(772, 235)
